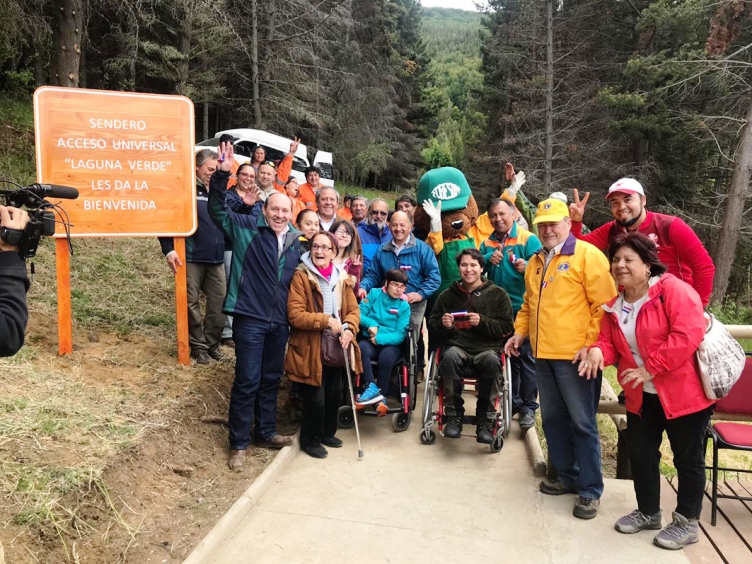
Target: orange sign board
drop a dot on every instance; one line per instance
(130, 156)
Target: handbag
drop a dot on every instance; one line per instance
(332, 353)
(720, 358)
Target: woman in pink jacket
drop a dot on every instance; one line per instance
(651, 331)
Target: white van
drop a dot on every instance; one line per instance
(276, 148)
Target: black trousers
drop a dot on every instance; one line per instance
(320, 407)
(687, 437)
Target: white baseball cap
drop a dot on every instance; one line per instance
(559, 196)
(625, 186)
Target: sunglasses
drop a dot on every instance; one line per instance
(270, 163)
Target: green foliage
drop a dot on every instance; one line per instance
(438, 153)
(454, 83)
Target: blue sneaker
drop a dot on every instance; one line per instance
(370, 395)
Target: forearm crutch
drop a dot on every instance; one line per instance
(352, 400)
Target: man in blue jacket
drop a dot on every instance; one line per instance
(265, 252)
(374, 232)
(414, 257)
(204, 256)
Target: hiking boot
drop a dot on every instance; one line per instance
(228, 342)
(236, 460)
(527, 420)
(678, 534)
(217, 355)
(201, 357)
(586, 508)
(453, 429)
(555, 488)
(316, 451)
(333, 442)
(277, 441)
(370, 395)
(483, 431)
(638, 521)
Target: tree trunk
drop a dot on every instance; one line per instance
(67, 42)
(185, 29)
(257, 121)
(725, 246)
(205, 117)
(549, 95)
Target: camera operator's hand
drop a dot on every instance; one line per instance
(12, 218)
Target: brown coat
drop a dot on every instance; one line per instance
(303, 360)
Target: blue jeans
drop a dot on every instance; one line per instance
(259, 363)
(524, 385)
(569, 405)
(386, 356)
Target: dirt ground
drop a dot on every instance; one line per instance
(104, 454)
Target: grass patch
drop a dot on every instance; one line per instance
(56, 435)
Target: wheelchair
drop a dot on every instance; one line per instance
(406, 370)
(433, 403)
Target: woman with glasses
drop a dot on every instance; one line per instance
(349, 257)
(384, 318)
(321, 298)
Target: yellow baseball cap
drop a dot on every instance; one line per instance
(551, 211)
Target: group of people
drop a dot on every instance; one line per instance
(304, 270)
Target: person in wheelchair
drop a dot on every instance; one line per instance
(469, 322)
(384, 318)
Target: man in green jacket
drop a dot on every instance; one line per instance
(469, 321)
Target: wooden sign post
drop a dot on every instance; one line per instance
(132, 159)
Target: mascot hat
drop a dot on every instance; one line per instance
(446, 185)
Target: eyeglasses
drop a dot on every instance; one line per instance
(248, 175)
(343, 233)
(396, 285)
(315, 247)
(376, 212)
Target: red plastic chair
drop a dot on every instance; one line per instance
(729, 435)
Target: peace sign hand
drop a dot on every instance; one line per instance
(294, 145)
(577, 208)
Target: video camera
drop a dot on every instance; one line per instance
(41, 214)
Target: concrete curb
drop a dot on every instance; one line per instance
(225, 527)
(535, 453)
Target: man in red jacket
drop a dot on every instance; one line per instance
(679, 248)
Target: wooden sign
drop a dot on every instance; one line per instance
(131, 157)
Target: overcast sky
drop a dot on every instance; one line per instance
(461, 4)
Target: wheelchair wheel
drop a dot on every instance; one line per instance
(427, 438)
(498, 442)
(400, 422)
(345, 417)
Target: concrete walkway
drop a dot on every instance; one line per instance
(453, 501)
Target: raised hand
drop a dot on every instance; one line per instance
(226, 156)
(517, 182)
(434, 212)
(577, 208)
(508, 171)
(294, 145)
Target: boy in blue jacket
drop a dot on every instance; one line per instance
(384, 318)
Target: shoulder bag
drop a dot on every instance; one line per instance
(720, 358)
